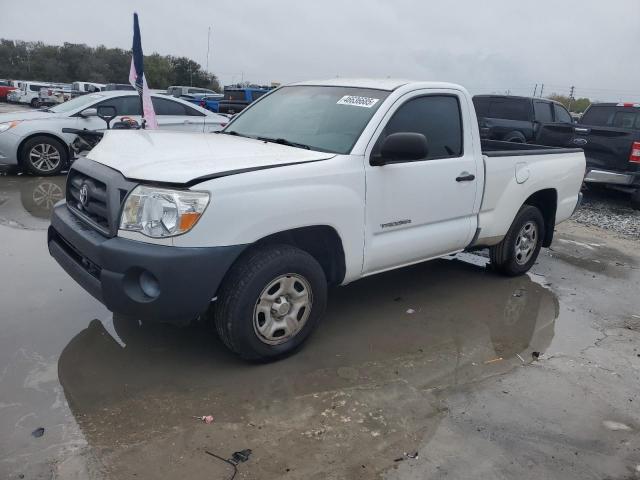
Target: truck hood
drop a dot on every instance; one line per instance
(185, 158)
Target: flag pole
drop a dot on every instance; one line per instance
(138, 81)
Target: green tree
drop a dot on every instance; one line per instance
(577, 105)
(78, 62)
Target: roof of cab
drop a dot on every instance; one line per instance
(388, 84)
(376, 83)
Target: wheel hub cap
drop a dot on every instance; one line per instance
(281, 306)
(526, 243)
(282, 309)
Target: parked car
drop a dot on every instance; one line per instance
(54, 95)
(516, 119)
(237, 99)
(35, 141)
(210, 102)
(5, 87)
(262, 216)
(179, 91)
(28, 93)
(117, 86)
(609, 134)
(88, 87)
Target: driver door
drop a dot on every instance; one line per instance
(420, 209)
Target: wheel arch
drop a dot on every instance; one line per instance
(322, 242)
(41, 134)
(515, 136)
(546, 201)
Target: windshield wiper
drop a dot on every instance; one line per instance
(232, 132)
(284, 141)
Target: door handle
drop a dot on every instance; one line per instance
(465, 177)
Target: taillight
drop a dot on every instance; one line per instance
(202, 104)
(635, 153)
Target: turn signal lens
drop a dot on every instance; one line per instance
(8, 125)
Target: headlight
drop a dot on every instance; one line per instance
(161, 212)
(7, 125)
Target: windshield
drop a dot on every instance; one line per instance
(328, 119)
(76, 103)
(612, 116)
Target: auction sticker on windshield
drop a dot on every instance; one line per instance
(366, 102)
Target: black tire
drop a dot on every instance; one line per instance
(515, 137)
(635, 199)
(504, 257)
(35, 103)
(236, 311)
(52, 165)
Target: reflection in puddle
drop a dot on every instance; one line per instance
(366, 379)
(26, 201)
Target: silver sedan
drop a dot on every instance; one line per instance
(33, 140)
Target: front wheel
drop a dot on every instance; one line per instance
(519, 249)
(44, 156)
(270, 302)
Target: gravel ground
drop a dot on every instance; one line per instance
(611, 211)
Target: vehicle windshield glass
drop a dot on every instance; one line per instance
(76, 103)
(328, 119)
(612, 116)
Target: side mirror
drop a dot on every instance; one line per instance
(107, 113)
(89, 112)
(402, 147)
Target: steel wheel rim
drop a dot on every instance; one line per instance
(44, 157)
(526, 243)
(282, 309)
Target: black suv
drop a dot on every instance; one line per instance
(516, 119)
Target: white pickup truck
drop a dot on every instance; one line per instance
(315, 183)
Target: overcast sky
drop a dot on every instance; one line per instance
(487, 46)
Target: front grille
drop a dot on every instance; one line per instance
(95, 207)
(103, 191)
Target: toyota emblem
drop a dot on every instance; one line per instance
(84, 194)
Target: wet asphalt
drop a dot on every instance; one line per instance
(482, 376)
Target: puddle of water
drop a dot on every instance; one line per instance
(369, 352)
(26, 201)
(366, 381)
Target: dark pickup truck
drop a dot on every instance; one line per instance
(237, 99)
(517, 119)
(609, 134)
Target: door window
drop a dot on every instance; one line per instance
(129, 105)
(164, 106)
(509, 109)
(543, 112)
(437, 117)
(562, 116)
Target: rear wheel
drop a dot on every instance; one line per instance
(270, 302)
(519, 249)
(35, 103)
(44, 156)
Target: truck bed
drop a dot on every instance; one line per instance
(496, 148)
